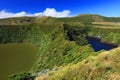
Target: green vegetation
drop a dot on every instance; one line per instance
(53, 42)
(17, 21)
(58, 49)
(17, 34)
(105, 66)
(44, 19)
(59, 43)
(21, 76)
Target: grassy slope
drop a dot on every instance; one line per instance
(54, 49)
(105, 66)
(76, 54)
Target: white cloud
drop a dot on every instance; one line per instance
(54, 13)
(48, 12)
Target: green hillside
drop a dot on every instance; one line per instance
(17, 21)
(105, 66)
(63, 47)
(44, 19)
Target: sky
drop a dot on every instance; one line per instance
(58, 8)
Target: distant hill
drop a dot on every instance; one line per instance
(17, 21)
(91, 18)
(44, 19)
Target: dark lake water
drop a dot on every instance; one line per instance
(97, 45)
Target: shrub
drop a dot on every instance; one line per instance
(21, 76)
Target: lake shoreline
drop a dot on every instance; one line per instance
(104, 42)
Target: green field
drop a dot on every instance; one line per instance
(107, 25)
(16, 58)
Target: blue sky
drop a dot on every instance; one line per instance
(59, 7)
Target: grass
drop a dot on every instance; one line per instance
(56, 50)
(105, 66)
(107, 25)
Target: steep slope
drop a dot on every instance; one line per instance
(58, 44)
(61, 46)
(105, 66)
